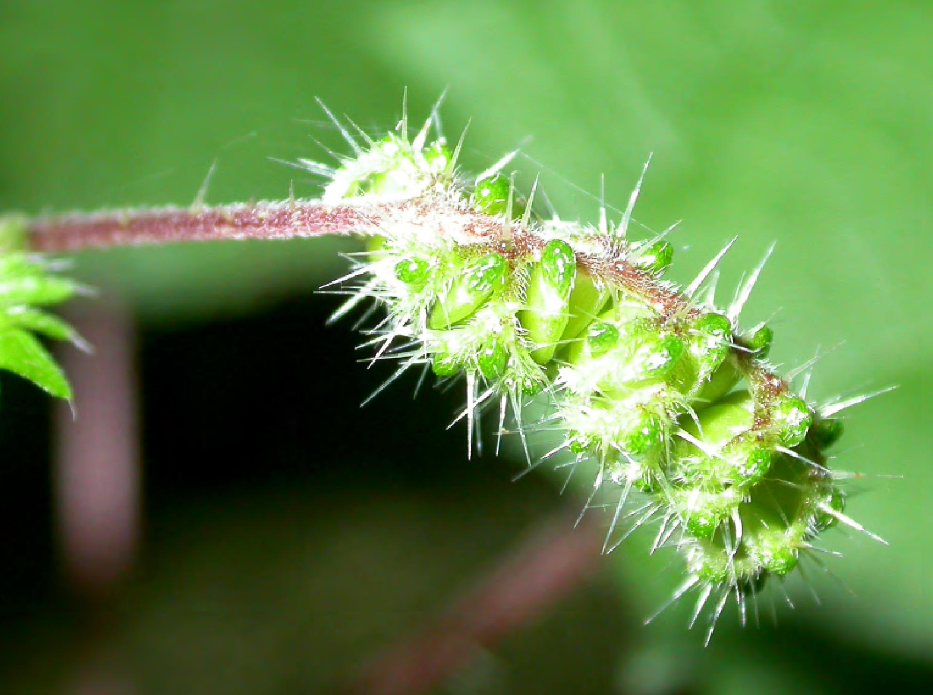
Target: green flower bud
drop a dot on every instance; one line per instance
(656, 257)
(715, 334)
(792, 419)
(601, 337)
(578, 444)
(708, 341)
(714, 325)
(491, 196)
(776, 554)
(759, 341)
(702, 522)
(559, 267)
(438, 156)
(444, 364)
(391, 167)
(413, 271)
(487, 274)
(547, 299)
(587, 299)
(664, 355)
(754, 467)
(713, 570)
(644, 436)
(387, 156)
(721, 382)
(470, 291)
(492, 359)
(725, 420)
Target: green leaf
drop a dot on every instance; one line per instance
(15, 265)
(22, 354)
(41, 322)
(35, 289)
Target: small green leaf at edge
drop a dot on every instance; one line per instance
(22, 354)
(45, 324)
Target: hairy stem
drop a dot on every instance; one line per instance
(310, 218)
(262, 220)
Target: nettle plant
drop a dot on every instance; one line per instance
(670, 395)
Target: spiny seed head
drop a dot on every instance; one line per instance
(667, 394)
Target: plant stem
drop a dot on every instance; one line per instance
(261, 220)
(310, 218)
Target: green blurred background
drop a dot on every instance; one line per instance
(289, 536)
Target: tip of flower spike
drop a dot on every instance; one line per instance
(389, 169)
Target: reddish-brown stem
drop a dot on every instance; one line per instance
(309, 218)
(262, 220)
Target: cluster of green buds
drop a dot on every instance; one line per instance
(673, 401)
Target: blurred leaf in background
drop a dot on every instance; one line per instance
(806, 123)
